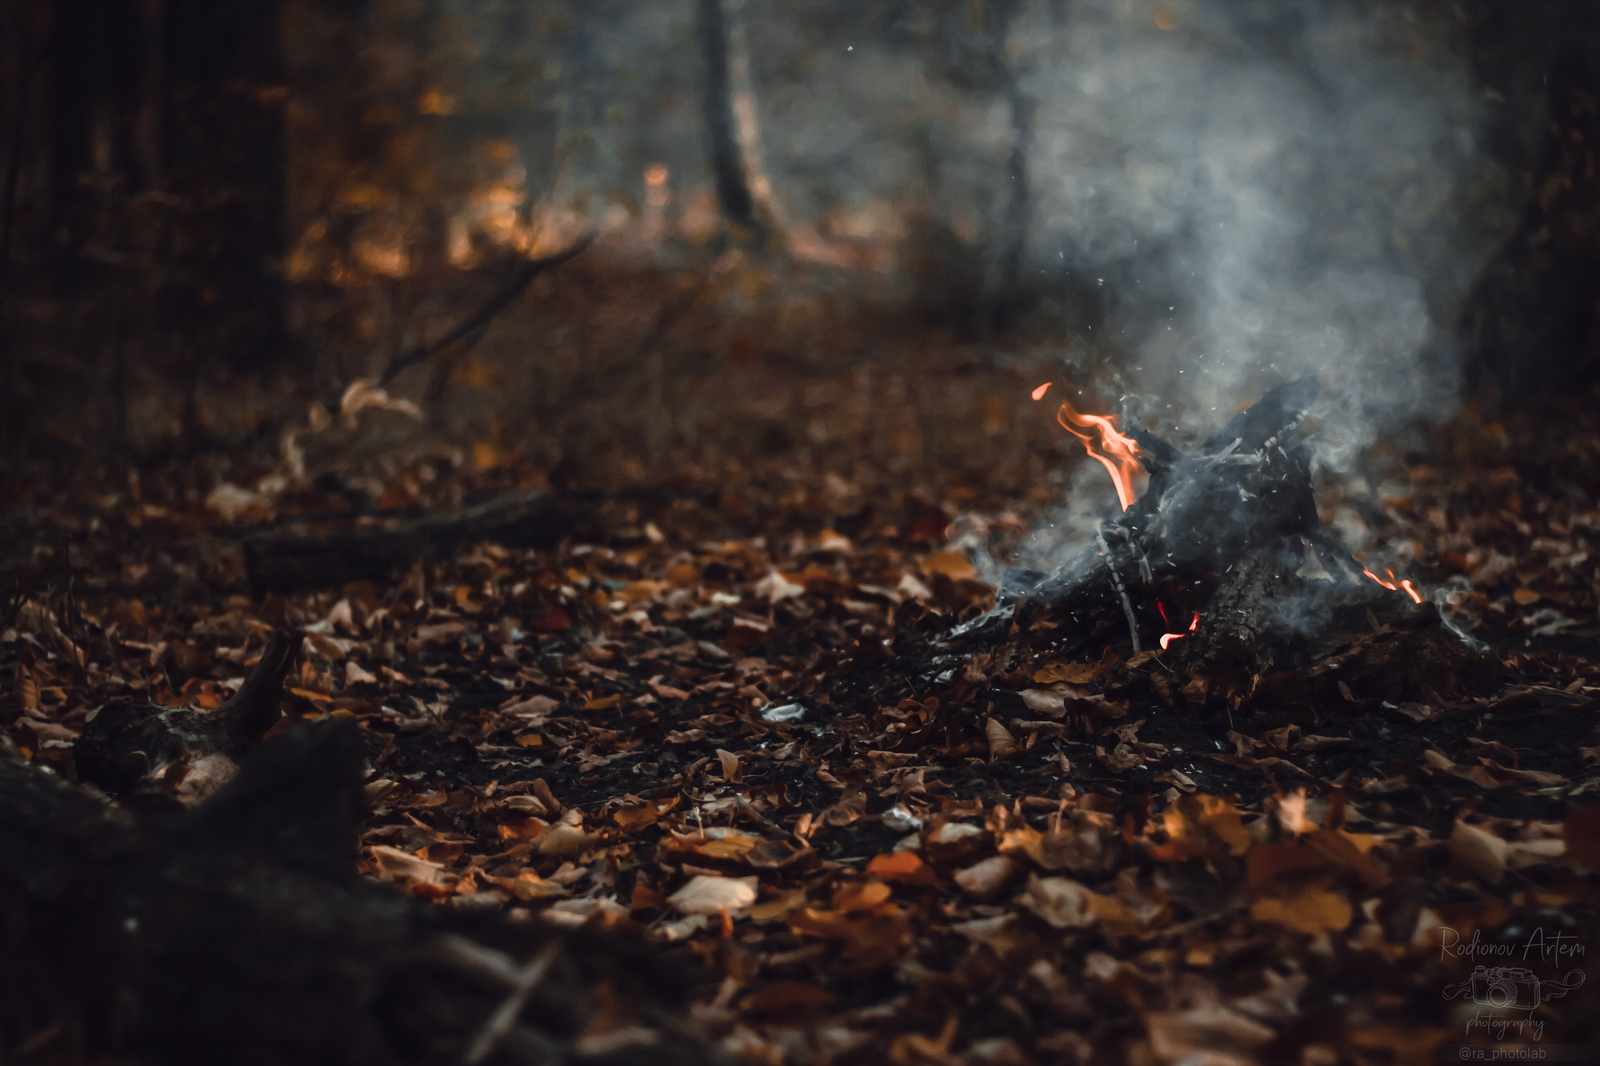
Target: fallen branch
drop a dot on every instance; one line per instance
(286, 563)
(520, 280)
(240, 932)
(166, 754)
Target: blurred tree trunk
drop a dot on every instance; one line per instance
(1533, 318)
(223, 133)
(179, 102)
(743, 192)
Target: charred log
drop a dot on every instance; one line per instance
(165, 755)
(287, 563)
(1227, 536)
(241, 932)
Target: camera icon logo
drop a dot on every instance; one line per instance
(1511, 987)
(1507, 987)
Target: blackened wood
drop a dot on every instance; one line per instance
(134, 747)
(241, 933)
(527, 519)
(1227, 535)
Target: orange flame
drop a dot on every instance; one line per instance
(1118, 454)
(1038, 393)
(1406, 586)
(1168, 638)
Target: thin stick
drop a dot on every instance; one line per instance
(1116, 580)
(505, 1015)
(496, 303)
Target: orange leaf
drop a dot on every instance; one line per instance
(600, 703)
(633, 819)
(1220, 815)
(1314, 911)
(861, 896)
(486, 455)
(1269, 860)
(683, 576)
(552, 621)
(952, 565)
(530, 740)
(1071, 673)
(523, 829)
(790, 1002)
(906, 867)
(646, 899)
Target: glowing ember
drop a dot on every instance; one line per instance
(1168, 638)
(1405, 586)
(1038, 394)
(1118, 454)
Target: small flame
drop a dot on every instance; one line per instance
(1168, 638)
(1404, 586)
(1117, 453)
(1038, 394)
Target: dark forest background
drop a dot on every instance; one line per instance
(194, 191)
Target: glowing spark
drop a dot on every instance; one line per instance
(1038, 394)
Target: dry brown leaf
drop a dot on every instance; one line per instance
(1478, 851)
(1313, 911)
(983, 879)
(1060, 901)
(705, 894)
(953, 565)
(1001, 742)
(1072, 673)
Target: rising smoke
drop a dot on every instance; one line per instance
(1267, 190)
(1264, 190)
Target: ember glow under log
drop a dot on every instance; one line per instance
(1227, 536)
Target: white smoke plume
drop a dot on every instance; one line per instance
(1262, 191)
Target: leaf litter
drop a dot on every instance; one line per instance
(710, 726)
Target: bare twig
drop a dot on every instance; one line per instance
(504, 1018)
(1116, 579)
(496, 303)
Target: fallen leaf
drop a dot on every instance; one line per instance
(789, 1003)
(1072, 673)
(983, 879)
(1001, 742)
(1060, 901)
(860, 896)
(1313, 911)
(705, 894)
(905, 867)
(1478, 852)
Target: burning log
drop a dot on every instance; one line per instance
(1226, 537)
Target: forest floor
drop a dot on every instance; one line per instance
(707, 719)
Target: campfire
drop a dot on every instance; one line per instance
(1224, 564)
